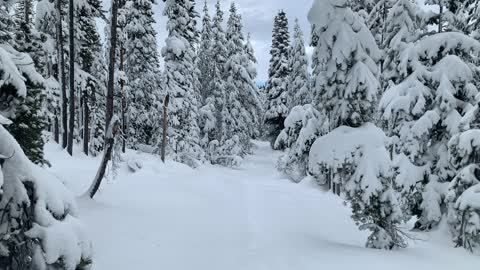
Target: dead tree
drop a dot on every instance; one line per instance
(112, 124)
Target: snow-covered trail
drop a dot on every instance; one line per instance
(172, 217)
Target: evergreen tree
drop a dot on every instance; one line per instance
(241, 99)
(424, 111)
(298, 84)
(403, 29)
(184, 132)
(205, 55)
(360, 168)
(27, 38)
(215, 101)
(259, 102)
(141, 69)
(276, 110)
(29, 121)
(89, 59)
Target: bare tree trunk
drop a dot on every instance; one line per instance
(440, 19)
(56, 132)
(61, 72)
(71, 123)
(124, 100)
(110, 128)
(165, 122)
(86, 117)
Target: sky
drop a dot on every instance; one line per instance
(257, 18)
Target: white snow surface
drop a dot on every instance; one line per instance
(169, 216)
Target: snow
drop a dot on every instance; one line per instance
(169, 216)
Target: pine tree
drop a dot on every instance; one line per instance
(45, 24)
(205, 55)
(425, 109)
(213, 110)
(403, 29)
(302, 127)
(141, 69)
(184, 133)
(29, 121)
(28, 39)
(241, 99)
(259, 102)
(298, 84)
(89, 59)
(276, 110)
(348, 86)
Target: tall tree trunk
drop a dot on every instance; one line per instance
(56, 133)
(110, 129)
(440, 18)
(165, 122)
(124, 100)
(61, 72)
(71, 123)
(86, 117)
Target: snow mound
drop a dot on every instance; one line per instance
(342, 145)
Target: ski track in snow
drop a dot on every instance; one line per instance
(176, 218)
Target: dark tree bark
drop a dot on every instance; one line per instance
(86, 117)
(124, 100)
(71, 123)
(56, 133)
(110, 128)
(165, 122)
(61, 72)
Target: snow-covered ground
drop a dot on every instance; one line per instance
(173, 217)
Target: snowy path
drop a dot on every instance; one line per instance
(172, 217)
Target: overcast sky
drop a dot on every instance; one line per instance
(257, 18)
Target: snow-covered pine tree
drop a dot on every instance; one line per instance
(467, 18)
(184, 132)
(304, 123)
(462, 201)
(205, 55)
(444, 16)
(260, 102)
(302, 127)
(206, 74)
(45, 23)
(276, 109)
(29, 119)
(425, 110)
(462, 195)
(242, 102)
(353, 155)
(51, 106)
(89, 59)
(27, 38)
(215, 101)
(400, 62)
(142, 70)
(36, 231)
(298, 83)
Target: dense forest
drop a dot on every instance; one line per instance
(384, 114)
